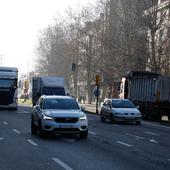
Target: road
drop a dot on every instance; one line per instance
(108, 146)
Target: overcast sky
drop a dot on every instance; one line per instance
(20, 23)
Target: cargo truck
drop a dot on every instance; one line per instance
(9, 88)
(150, 91)
(46, 85)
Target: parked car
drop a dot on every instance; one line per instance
(120, 110)
(58, 115)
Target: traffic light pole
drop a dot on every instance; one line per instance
(97, 99)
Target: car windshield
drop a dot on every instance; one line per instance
(60, 104)
(122, 104)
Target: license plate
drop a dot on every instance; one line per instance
(65, 126)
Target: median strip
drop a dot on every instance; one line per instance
(32, 142)
(125, 144)
(62, 164)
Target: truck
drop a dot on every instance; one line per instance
(9, 88)
(148, 90)
(47, 85)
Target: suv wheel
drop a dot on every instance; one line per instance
(84, 134)
(40, 131)
(33, 127)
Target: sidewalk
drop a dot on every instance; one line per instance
(90, 108)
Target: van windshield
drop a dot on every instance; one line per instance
(53, 91)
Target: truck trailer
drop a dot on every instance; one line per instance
(150, 91)
(9, 88)
(46, 85)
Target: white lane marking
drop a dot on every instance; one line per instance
(151, 133)
(16, 131)
(1, 138)
(168, 159)
(137, 137)
(32, 142)
(5, 123)
(153, 141)
(123, 143)
(93, 133)
(62, 164)
(162, 126)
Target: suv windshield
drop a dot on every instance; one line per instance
(122, 104)
(60, 104)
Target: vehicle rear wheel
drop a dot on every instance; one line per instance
(84, 134)
(33, 127)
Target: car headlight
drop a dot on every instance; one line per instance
(118, 113)
(47, 116)
(83, 118)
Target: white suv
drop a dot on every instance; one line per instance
(58, 115)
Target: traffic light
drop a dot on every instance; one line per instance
(97, 79)
(26, 85)
(73, 68)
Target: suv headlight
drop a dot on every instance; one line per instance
(47, 117)
(83, 118)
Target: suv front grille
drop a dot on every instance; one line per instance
(66, 119)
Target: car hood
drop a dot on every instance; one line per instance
(126, 110)
(65, 113)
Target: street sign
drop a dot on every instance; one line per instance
(96, 92)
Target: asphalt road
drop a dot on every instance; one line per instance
(108, 146)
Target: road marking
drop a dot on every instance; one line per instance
(153, 141)
(62, 164)
(168, 159)
(137, 137)
(151, 133)
(123, 143)
(16, 131)
(32, 142)
(1, 138)
(93, 133)
(5, 123)
(162, 126)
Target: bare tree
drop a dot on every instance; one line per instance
(156, 19)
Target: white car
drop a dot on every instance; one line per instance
(58, 115)
(120, 110)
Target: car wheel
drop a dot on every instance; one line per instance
(40, 131)
(102, 118)
(138, 122)
(33, 127)
(111, 118)
(84, 134)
